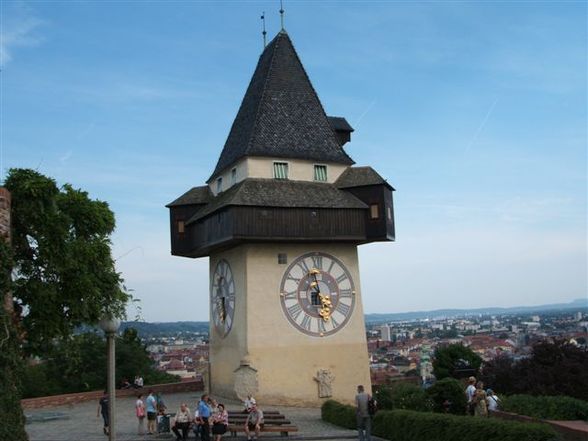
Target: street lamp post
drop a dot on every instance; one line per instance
(110, 327)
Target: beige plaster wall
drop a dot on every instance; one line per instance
(287, 360)
(259, 167)
(226, 353)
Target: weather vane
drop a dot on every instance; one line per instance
(282, 13)
(264, 33)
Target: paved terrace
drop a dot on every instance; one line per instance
(78, 422)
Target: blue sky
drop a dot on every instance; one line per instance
(474, 111)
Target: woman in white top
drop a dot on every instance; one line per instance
(140, 412)
(492, 400)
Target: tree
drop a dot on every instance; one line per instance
(78, 364)
(63, 273)
(554, 368)
(12, 427)
(455, 361)
(448, 396)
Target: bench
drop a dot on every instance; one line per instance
(273, 421)
(283, 430)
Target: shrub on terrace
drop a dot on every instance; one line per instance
(450, 391)
(549, 408)
(407, 425)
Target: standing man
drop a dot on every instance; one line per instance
(151, 405)
(204, 415)
(470, 393)
(364, 421)
(103, 409)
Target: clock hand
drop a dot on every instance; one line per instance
(326, 304)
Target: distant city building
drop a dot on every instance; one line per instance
(386, 333)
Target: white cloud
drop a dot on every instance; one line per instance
(18, 31)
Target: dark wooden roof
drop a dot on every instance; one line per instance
(360, 176)
(281, 114)
(281, 193)
(338, 123)
(194, 196)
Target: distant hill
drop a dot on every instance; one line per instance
(154, 329)
(416, 315)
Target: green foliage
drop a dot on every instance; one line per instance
(405, 425)
(554, 368)
(383, 395)
(64, 274)
(339, 414)
(448, 361)
(410, 397)
(78, 364)
(550, 408)
(451, 390)
(12, 427)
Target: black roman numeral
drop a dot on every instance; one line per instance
(306, 322)
(345, 293)
(317, 262)
(343, 308)
(294, 310)
(341, 278)
(303, 266)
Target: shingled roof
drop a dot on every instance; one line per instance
(281, 114)
(281, 193)
(360, 176)
(194, 196)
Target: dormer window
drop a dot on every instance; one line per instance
(219, 185)
(280, 170)
(233, 176)
(320, 173)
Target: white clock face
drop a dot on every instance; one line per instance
(317, 294)
(222, 298)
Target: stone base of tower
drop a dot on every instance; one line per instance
(265, 356)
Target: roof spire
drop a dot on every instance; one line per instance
(282, 14)
(264, 33)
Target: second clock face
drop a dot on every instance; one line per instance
(222, 298)
(317, 294)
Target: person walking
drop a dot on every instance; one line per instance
(204, 415)
(182, 422)
(364, 421)
(103, 409)
(151, 406)
(140, 412)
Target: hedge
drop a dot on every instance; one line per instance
(339, 414)
(407, 425)
(547, 408)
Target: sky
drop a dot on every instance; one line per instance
(476, 113)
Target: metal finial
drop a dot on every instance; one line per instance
(282, 13)
(264, 33)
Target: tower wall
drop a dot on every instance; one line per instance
(278, 362)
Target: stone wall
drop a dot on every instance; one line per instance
(567, 430)
(68, 399)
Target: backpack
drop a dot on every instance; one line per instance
(372, 405)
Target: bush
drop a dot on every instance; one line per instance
(339, 414)
(409, 397)
(549, 408)
(557, 368)
(455, 361)
(383, 395)
(405, 425)
(451, 390)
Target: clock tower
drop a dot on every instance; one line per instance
(281, 218)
